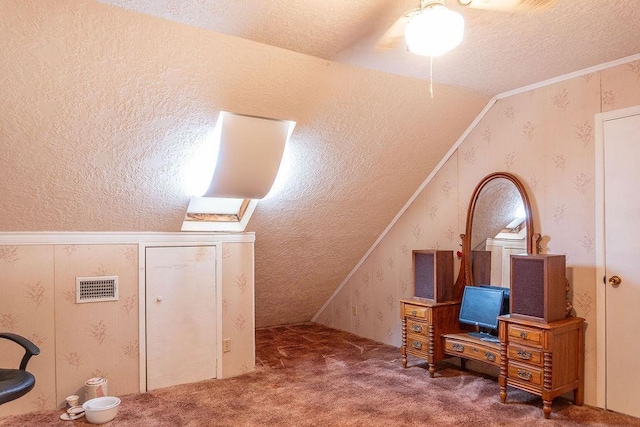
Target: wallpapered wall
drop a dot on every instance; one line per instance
(80, 341)
(544, 136)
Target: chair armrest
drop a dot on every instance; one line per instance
(30, 349)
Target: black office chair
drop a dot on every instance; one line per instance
(15, 383)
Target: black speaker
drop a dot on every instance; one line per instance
(538, 287)
(433, 274)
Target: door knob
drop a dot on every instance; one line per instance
(615, 281)
(159, 299)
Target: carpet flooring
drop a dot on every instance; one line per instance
(310, 375)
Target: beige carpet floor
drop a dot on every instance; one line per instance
(310, 375)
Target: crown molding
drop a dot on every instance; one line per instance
(583, 72)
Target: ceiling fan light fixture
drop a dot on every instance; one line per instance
(434, 30)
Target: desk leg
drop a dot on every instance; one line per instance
(431, 351)
(578, 395)
(403, 349)
(502, 379)
(547, 408)
(547, 384)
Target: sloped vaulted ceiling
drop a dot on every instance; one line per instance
(103, 109)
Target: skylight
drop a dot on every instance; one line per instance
(234, 168)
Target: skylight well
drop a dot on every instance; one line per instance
(237, 166)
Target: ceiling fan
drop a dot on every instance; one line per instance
(431, 20)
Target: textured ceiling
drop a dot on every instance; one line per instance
(500, 51)
(104, 108)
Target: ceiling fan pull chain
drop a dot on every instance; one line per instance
(431, 76)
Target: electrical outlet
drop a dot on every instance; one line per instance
(226, 345)
(354, 310)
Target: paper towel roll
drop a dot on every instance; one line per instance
(95, 387)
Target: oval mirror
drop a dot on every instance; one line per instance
(499, 224)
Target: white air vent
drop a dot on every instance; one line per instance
(96, 289)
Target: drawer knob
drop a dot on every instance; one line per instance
(523, 335)
(417, 345)
(457, 347)
(414, 312)
(416, 328)
(522, 354)
(489, 356)
(524, 375)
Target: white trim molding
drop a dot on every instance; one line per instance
(568, 76)
(89, 238)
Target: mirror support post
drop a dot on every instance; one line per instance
(536, 243)
(458, 287)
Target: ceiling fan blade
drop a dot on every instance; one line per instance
(511, 6)
(393, 36)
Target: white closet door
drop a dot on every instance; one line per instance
(622, 241)
(180, 315)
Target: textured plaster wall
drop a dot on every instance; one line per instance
(80, 341)
(546, 138)
(103, 110)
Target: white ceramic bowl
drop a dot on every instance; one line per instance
(101, 409)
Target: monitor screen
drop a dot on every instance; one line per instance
(481, 306)
(506, 292)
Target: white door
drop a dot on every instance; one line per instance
(622, 247)
(180, 315)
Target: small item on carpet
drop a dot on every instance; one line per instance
(101, 410)
(73, 414)
(95, 387)
(72, 401)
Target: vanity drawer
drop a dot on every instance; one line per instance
(529, 335)
(528, 355)
(417, 327)
(468, 350)
(418, 345)
(526, 373)
(415, 311)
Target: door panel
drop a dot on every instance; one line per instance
(180, 315)
(622, 243)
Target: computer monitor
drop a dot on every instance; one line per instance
(506, 293)
(481, 306)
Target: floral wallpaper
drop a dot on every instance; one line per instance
(27, 308)
(238, 320)
(544, 136)
(96, 339)
(80, 341)
(77, 341)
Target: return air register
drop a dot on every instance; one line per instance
(96, 289)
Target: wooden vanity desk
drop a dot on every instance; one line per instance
(536, 352)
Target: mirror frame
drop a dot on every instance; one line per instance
(465, 277)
